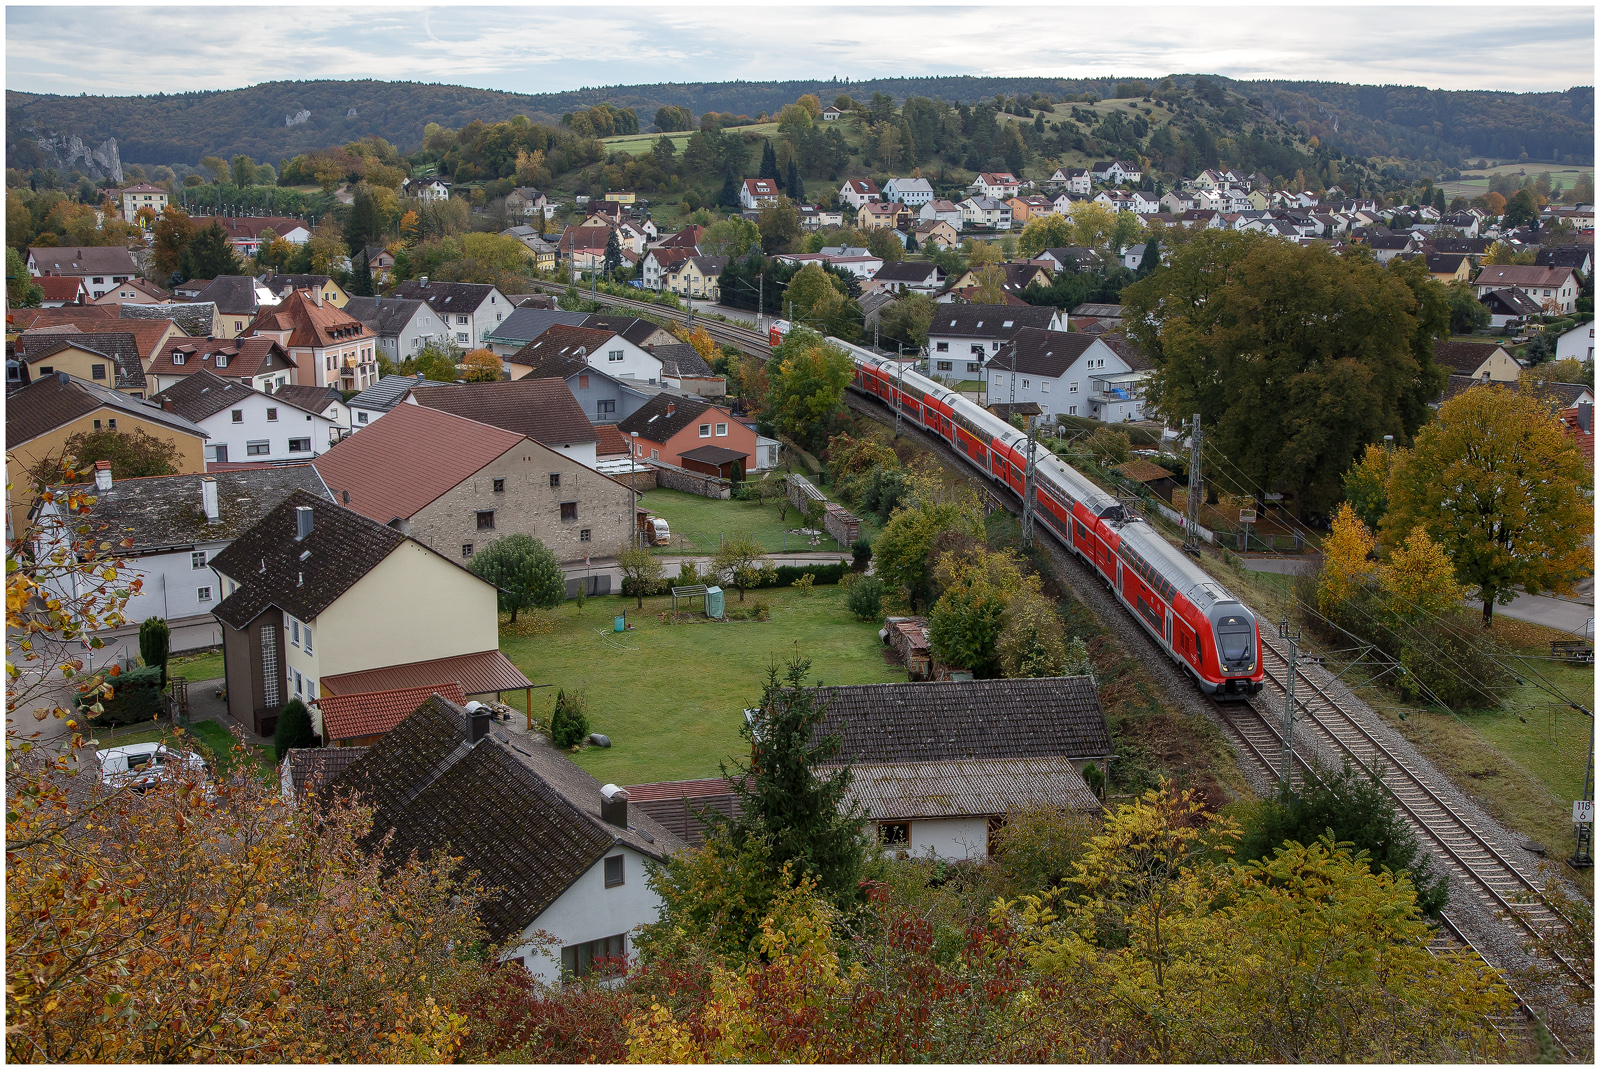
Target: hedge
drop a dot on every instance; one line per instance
(786, 575)
(136, 697)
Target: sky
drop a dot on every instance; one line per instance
(73, 48)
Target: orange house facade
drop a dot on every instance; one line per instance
(693, 434)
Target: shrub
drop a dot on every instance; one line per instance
(570, 722)
(865, 599)
(861, 554)
(155, 639)
(804, 583)
(294, 728)
(763, 609)
(688, 575)
(1038, 848)
(785, 575)
(136, 697)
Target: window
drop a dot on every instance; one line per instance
(486, 520)
(614, 871)
(203, 594)
(1072, 410)
(942, 347)
(218, 453)
(500, 486)
(308, 638)
(583, 536)
(1072, 388)
(897, 834)
(97, 371)
(579, 959)
(466, 549)
(269, 665)
(238, 416)
(361, 417)
(569, 510)
(722, 430)
(272, 416)
(1044, 385)
(222, 360)
(294, 632)
(655, 455)
(583, 382)
(50, 371)
(1025, 384)
(614, 356)
(299, 683)
(461, 321)
(555, 479)
(946, 366)
(299, 445)
(605, 408)
(463, 337)
(197, 559)
(705, 430)
(973, 367)
(257, 449)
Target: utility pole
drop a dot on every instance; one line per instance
(1027, 486)
(1583, 809)
(761, 300)
(900, 370)
(1293, 637)
(1191, 535)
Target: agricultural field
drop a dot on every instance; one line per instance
(671, 696)
(1476, 183)
(639, 144)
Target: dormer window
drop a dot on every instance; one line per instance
(222, 360)
(178, 358)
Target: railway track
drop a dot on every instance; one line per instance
(1256, 729)
(742, 338)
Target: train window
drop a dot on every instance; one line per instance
(1233, 638)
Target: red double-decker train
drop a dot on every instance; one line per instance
(1208, 632)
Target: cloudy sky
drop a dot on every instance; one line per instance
(525, 48)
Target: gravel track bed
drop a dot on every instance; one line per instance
(1499, 939)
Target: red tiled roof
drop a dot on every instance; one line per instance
(245, 356)
(311, 325)
(397, 465)
(483, 673)
(61, 287)
(611, 441)
(22, 319)
(373, 713)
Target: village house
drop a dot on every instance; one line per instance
(698, 277)
(134, 291)
(908, 276)
(601, 348)
(525, 202)
(42, 415)
(997, 186)
(427, 190)
(316, 597)
(972, 333)
(1115, 173)
(691, 433)
(1024, 209)
(143, 195)
(543, 410)
(603, 398)
(937, 233)
(380, 398)
(245, 424)
(1486, 361)
(524, 326)
(880, 215)
(985, 212)
(1508, 308)
(858, 191)
(1073, 180)
(101, 267)
(570, 855)
(758, 192)
(238, 299)
(1017, 276)
(60, 290)
(456, 485)
(941, 211)
(403, 327)
(110, 358)
(1576, 257)
(1554, 288)
(684, 369)
(380, 262)
(177, 524)
(1576, 343)
(658, 263)
(1066, 374)
(262, 363)
(470, 310)
(584, 247)
(541, 251)
(325, 285)
(248, 233)
(326, 344)
(913, 192)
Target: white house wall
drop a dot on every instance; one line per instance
(951, 839)
(292, 423)
(590, 911)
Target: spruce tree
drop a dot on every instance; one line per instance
(769, 163)
(294, 729)
(211, 254)
(613, 255)
(155, 638)
(797, 188)
(361, 276)
(785, 800)
(729, 197)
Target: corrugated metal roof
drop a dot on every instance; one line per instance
(981, 788)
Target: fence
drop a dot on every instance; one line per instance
(836, 520)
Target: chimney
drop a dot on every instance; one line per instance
(208, 498)
(423, 280)
(671, 408)
(166, 403)
(479, 720)
(102, 475)
(614, 806)
(316, 295)
(302, 522)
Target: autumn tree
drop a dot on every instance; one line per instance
(169, 242)
(1497, 483)
(132, 454)
(1366, 485)
(211, 254)
(1045, 232)
(641, 570)
(807, 377)
(779, 224)
(21, 290)
(482, 366)
(989, 286)
(738, 561)
(525, 571)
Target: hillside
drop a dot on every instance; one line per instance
(276, 120)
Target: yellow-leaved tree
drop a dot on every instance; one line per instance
(1345, 559)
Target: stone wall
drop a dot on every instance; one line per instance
(672, 477)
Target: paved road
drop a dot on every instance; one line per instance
(1562, 614)
(1282, 565)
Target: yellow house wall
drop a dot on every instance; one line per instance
(80, 365)
(414, 606)
(1501, 368)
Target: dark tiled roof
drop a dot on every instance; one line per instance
(1512, 303)
(1555, 396)
(83, 260)
(517, 812)
(395, 466)
(310, 398)
(283, 284)
(203, 394)
(1470, 246)
(559, 341)
(246, 357)
(233, 295)
(121, 349)
(308, 770)
(1445, 263)
(899, 791)
(386, 393)
(652, 420)
(542, 409)
(478, 674)
(1099, 311)
(908, 272)
(194, 318)
(447, 297)
(45, 404)
(988, 321)
(267, 563)
(161, 512)
(1567, 256)
(1036, 352)
(681, 359)
(384, 315)
(1005, 409)
(1462, 356)
(1057, 717)
(526, 324)
(635, 330)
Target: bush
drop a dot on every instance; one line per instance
(155, 639)
(865, 599)
(294, 728)
(570, 723)
(785, 575)
(1037, 849)
(763, 609)
(688, 575)
(804, 583)
(861, 554)
(136, 697)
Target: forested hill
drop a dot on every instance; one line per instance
(279, 119)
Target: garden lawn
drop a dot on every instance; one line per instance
(210, 734)
(206, 665)
(699, 524)
(671, 696)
